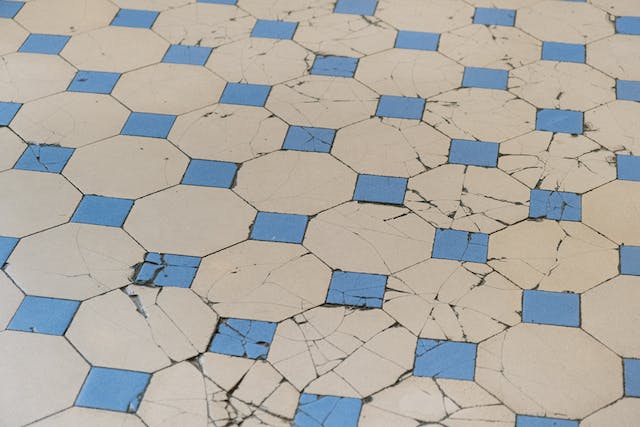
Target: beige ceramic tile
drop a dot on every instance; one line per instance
(71, 119)
(81, 417)
(10, 298)
(115, 49)
(619, 7)
(434, 16)
(45, 374)
(28, 76)
(241, 133)
(542, 370)
(74, 261)
(13, 35)
(225, 371)
(262, 280)
(503, 4)
(406, 72)
(625, 413)
(295, 182)
(369, 238)
(11, 147)
(482, 114)
(34, 201)
(126, 166)
(611, 56)
(155, 5)
(190, 220)
(614, 126)
(291, 10)
(612, 210)
(66, 16)
(330, 102)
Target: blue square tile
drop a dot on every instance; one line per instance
(400, 107)
(486, 78)
(167, 270)
(44, 43)
(380, 189)
(337, 66)
(628, 25)
(9, 9)
(100, 210)
(327, 411)
(632, 377)
(493, 16)
(628, 167)
(563, 52)
(628, 90)
(210, 173)
(528, 421)
(113, 389)
(7, 245)
(148, 124)
(476, 153)
(445, 359)
(302, 138)
(460, 245)
(279, 227)
(417, 40)
(227, 2)
(243, 338)
(44, 158)
(8, 111)
(44, 315)
(268, 29)
(630, 260)
(561, 121)
(190, 55)
(357, 289)
(551, 308)
(94, 82)
(245, 94)
(356, 7)
(558, 205)
(134, 18)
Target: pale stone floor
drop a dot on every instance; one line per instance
(374, 213)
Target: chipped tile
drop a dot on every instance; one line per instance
(243, 338)
(44, 158)
(43, 315)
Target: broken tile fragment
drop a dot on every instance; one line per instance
(327, 411)
(460, 245)
(113, 389)
(167, 270)
(243, 338)
(356, 289)
(305, 138)
(445, 359)
(558, 205)
(44, 158)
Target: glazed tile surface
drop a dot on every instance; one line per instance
(319, 213)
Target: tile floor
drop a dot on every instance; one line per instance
(320, 213)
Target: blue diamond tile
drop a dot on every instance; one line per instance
(245, 94)
(243, 338)
(551, 308)
(630, 260)
(356, 7)
(460, 245)
(301, 138)
(475, 153)
(628, 167)
(486, 78)
(380, 189)
(148, 124)
(113, 389)
(94, 82)
(279, 227)
(210, 173)
(563, 52)
(558, 205)
(9, 9)
(445, 359)
(632, 377)
(190, 55)
(7, 245)
(227, 2)
(417, 40)
(628, 90)
(493, 16)
(357, 289)
(44, 158)
(327, 411)
(274, 29)
(8, 111)
(561, 121)
(628, 25)
(100, 210)
(49, 316)
(337, 66)
(400, 107)
(167, 270)
(529, 421)
(44, 43)
(135, 18)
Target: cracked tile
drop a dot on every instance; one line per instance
(66, 17)
(287, 9)
(625, 412)
(12, 148)
(10, 298)
(77, 417)
(612, 126)
(618, 224)
(432, 15)
(609, 56)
